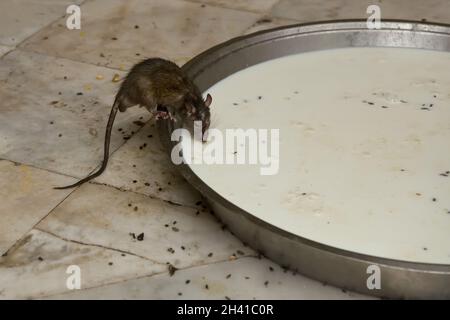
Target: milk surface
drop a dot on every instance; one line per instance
(364, 148)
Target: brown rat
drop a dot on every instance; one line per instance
(162, 88)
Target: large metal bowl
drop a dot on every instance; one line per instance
(399, 279)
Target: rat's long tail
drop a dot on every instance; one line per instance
(109, 126)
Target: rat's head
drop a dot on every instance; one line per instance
(198, 110)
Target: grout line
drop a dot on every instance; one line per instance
(98, 246)
(45, 26)
(68, 59)
(222, 6)
(155, 274)
(18, 240)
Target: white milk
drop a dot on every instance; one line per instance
(353, 175)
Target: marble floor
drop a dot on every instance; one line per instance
(128, 230)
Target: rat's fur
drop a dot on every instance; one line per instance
(156, 84)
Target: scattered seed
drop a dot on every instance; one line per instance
(175, 229)
(133, 235)
(116, 78)
(266, 283)
(99, 77)
(183, 248)
(206, 287)
(210, 254)
(180, 294)
(40, 259)
(114, 38)
(110, 263)
(228, 276)
(134, 181)
(147, 184)
(270, 268)
(79, 93)
(136, 27)
(171, 250)
(139, 123)
(172, 269)
(227, 298)
(264, 20)
(135, 208)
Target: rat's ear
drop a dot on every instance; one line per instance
(208, 100)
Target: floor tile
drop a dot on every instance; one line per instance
(147, 227)
(18, 24)
(311, 10)
(59, 132)
(248, 5)
(38, 266)
(5, 49)
(245, 278)
(114, 31)
(266, 23)
(142, 165)
(26, 197)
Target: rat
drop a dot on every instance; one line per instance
(162, 88)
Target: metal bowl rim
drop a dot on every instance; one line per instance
(317, 27)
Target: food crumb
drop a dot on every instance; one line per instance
(232, 257)
(116, 78)
(172, 269)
